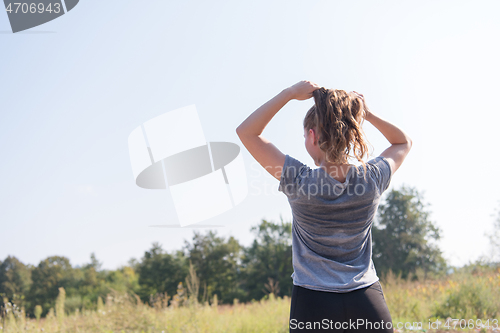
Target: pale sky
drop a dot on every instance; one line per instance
(73, 89)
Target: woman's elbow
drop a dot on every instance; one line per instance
(239, 130)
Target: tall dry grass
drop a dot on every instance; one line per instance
(471, 295)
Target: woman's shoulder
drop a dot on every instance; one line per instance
(379, 170)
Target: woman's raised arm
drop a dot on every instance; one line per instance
(400, 141)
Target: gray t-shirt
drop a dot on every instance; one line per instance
(332, 221)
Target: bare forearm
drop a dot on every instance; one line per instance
(392, 133)
(258, 120)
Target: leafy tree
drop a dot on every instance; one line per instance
(133, 263)
(90, 277)
(50, 274)
(15, 278)
(124, 279)
(268, 261)
(216, 261)
(90, 283)
(94, 263)
(160, 272)
(404, 237)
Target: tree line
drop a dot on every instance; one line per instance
(404, 241)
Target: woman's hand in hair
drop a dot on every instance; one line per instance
(367, 112)
(302, 90)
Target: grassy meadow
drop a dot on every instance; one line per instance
(471, 294)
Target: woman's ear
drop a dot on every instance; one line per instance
(314, 136)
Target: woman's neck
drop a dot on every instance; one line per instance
(336, 170)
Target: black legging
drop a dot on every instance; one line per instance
(361, 310)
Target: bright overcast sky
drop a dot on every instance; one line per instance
(73, 89)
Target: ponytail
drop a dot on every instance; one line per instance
(338, 118)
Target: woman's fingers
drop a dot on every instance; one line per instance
(304, 89)
(316, 86)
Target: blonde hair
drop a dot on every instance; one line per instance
(338, 117)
